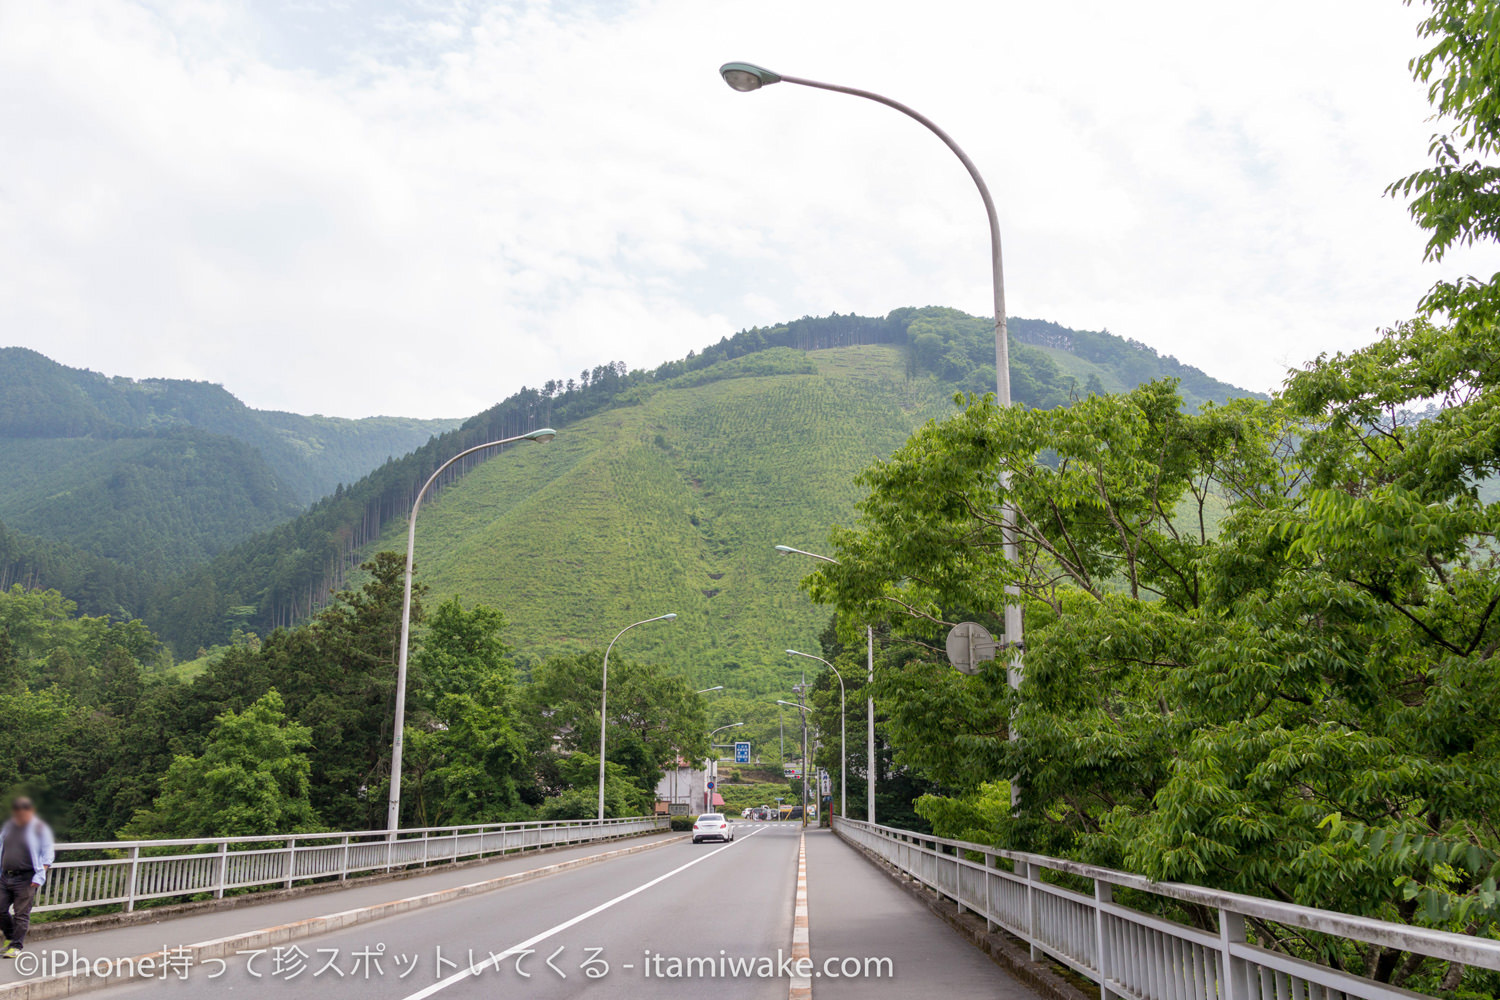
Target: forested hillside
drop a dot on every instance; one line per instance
(827, 394)
(156, 476)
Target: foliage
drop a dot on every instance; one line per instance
(465, 759)
(252, 778)
(654, 717)
(1280, 708)
(579, 774)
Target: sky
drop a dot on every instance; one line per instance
(359, 207)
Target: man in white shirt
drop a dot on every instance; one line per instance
(26, 852)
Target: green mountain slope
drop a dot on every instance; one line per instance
(156, 476)
(674, 505)
(311, 454)
(735, 453)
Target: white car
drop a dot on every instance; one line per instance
(712, 826)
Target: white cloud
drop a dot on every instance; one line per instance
(416, 208)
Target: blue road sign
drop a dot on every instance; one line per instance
(742, 753)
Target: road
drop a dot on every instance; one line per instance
(677, 920)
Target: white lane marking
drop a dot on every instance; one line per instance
(495, 960)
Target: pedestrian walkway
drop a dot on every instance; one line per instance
(144, 936)
(855, 911)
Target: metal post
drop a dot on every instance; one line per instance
(805, 762)
(291, 861)
(1033, 916)
(135, 863)
(870, 728)
(989, 903)
(1103, 893)
(393, 806)
(1234, 983)
(344, 859)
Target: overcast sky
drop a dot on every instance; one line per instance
(356, 207)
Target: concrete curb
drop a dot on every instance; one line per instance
(69, 983)
(1009, 952)
(42, 930)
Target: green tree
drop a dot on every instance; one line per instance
(252, 778)
(465, 755)
(12, 671)
(654, 716)
(579, 798)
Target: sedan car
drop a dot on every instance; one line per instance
(712, 826)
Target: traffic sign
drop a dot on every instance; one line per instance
(742, 753)
(969, 645)
(710, 784)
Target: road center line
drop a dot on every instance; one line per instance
(495, 960)
(800, 988)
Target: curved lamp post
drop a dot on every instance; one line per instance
(746, 77)
(843, 792)
(393, 808)
(869, 699)
(604, 698)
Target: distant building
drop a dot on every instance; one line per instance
(683, 790)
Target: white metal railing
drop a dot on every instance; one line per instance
(128, 872)
(1141, 956)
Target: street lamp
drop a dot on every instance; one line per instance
(843, 769)
(713, 770)
(869, 698)
(746, 77)
(393, 807)
(803, 709)
(604, 697)
(716, 687)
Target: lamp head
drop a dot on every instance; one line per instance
(669, 617)
(545, 434)
(746, 77)
(785, 550)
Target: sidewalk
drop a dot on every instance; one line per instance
(854, 910)
(139, 938)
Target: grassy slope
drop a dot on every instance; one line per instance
(674, 505)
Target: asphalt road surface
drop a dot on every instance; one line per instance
(682, 920)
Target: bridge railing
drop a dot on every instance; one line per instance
(126, 873)
(1141, 956)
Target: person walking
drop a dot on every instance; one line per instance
(26, 852)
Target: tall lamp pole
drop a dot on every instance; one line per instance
(843, 791)
(604, 697)
(801, 707)
(746, 77)
(869, 698)
(393, 807)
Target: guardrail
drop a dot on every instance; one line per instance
(1141, 956)
(128, 872)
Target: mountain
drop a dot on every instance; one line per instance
(158, 475)
(665, 490)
